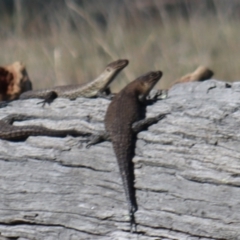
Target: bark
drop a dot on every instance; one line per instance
(187, 169)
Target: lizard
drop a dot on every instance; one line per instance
(18, 133)
(199, 75)
(93, 89)
(123, 120)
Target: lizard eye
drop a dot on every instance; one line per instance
(153, 75)
(108, 69)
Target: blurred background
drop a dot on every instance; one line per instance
(71, 41)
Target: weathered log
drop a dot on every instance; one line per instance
(187, 169)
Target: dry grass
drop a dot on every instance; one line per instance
(175, 46)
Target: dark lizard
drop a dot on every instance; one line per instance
(123, 121)
(18, 133)
(93, 89)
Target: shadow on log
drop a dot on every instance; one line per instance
(187, 169)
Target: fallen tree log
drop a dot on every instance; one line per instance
(187, 169)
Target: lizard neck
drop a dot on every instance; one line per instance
(101, 82)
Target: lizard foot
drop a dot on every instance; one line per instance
(145, 123)
(98, 139)
(49, 98)
(133, 225)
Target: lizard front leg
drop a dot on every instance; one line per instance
(157, 94)
(145, 123)
(107, 94)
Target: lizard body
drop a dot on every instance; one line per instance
(123, 120)
(92, 89)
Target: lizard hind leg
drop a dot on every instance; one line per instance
(50, 97)
(98, 139)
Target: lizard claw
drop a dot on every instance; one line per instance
(97, 139)
(89, 145)
(161, 94)
(162, 116)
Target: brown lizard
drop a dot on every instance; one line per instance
(200, 74)
(93, 89)
(122, 123)
(11, 132)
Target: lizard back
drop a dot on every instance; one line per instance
(122, 112)
(88, 90)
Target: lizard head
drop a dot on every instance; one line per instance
(203, 73)
(111, 71)
(146, 82)
(117, 65)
